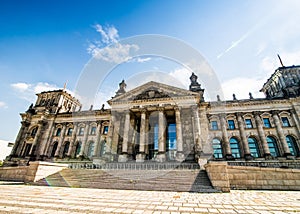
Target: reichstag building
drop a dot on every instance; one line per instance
(162, 123)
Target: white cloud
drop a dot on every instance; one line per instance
(108, 48)
(27, 91)
(116, 53)
(3, 105)
(182, 75)
(20, 86)
(109, 34)
(241, 87)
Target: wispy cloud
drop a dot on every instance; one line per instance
(108, 47)
(27, 91)
(109, 34)
(234, 44)
(3, 105)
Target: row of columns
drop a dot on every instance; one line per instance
(261, 134)
(40, 146)
(161, 156)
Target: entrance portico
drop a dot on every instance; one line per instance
(151, 124)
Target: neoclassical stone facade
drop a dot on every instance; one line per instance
(158, 122)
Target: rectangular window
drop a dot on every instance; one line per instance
(81, 131)
(267, 123)
(285, 122)
(231, 124)
(214, 125)
(70, 131)
(105, 130)
(248, 123)
(93, 130)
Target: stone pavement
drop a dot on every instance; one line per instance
(18, 198)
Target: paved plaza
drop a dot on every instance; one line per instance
(18, 198)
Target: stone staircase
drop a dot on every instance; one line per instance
(133, 176)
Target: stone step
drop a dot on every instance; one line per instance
(167, 180)
(136, 166)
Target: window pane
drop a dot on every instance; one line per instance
(217, 148)
(93, 130)
(267, 122)
(235, 149)
(214, 125)
(81, 131)
(285, 122)
(231, 124)
(248, 124)
(253, 147)
(292, 145)
(58, 131)
(105, 130)
(273, 146)
(70, 131)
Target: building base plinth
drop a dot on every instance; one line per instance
(123, 158)
(140, 157)
(180, 157)
(161, 157)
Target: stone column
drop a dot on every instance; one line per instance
(141, 156)
(107, 154)
(225, 140)
(296, 121)
(34, 146)
(46, 141)
(61, 140)
(85, 137)
(281, 136)
(261, 135)
(197, 131)
(161, 156)
(247, 154)
(179, 141)
(98, 136)
(73, 140)
(116, 134)
(18, 145)
(51, 134)
(124, 156)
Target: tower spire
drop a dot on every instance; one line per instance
(280, 60)
(65, 85)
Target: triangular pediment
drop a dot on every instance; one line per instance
(153, 91)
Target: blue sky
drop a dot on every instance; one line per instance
(43, 44)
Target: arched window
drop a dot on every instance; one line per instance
(235, 148)
(273, 146)
(252, 142)
(103, 148)
(292, 145)
(33, 132)
(91, 148)
(66, 149)
(70, 131)
(78, 148)
(217, 147)
(54, 148)
(58, 132)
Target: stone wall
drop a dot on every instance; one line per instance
(224, 177)
(34, 172)
(218, 175)
(17, 173)
(241, 177)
